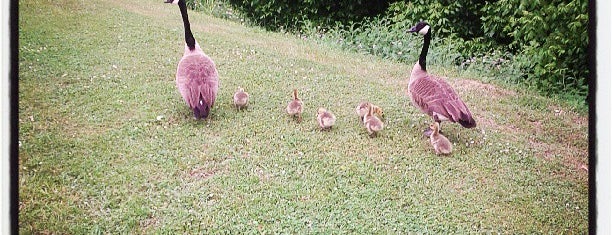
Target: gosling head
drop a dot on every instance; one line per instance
(295, 94)
(435, 127)
(378, 111)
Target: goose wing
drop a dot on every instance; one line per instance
(438, 99)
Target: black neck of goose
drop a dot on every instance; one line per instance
(424, 50)
(189, 39)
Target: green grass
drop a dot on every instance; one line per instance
(108, 145)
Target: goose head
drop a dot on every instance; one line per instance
(421, 28)
(174, 1)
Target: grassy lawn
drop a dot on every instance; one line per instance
(109, 146)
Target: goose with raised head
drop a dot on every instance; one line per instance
(196, 75)
(432, 94)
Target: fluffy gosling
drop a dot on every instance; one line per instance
(372, 123)
(294, 108)
(440, 143)
(325, 118)
(378, 111)
(241, 99)
(362, 110)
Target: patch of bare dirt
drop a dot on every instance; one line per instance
(571, 157)
(488, 123)
(479, 88)
(148, 223)
(559, 135)
(202, 173)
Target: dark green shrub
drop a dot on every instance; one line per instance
(292, 15)
(550, 37)
(541, 43)
(218, 8)
(461, 18)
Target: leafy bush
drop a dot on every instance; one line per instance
(542, 44)
(551, 39)
(218, 8)
(286, 14)
(460, 18)
(546, 41)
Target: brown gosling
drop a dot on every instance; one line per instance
(325, 118)
(372, 123)
(294, 108)
(378, 111)
(241, 99)
(362, 110)
(440, 143)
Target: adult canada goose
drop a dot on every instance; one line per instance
(295, 106)
(241, 98)
(440, 143)
(196, 75)
(432, 94)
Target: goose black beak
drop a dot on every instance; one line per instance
(168, 1)
(413, 30)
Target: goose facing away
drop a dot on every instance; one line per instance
(432, 94)
(196, 75)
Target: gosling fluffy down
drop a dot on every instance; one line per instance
(372, 123)
(295, 106)
(241, 99)
(362, 110)
(325, 119)
(440, 143)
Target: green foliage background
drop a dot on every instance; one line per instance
(287, 14)
(541, 44)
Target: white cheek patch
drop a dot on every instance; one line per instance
(175, 1)
(440, 116)
(424, 30)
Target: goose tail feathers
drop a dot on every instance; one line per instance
(201, 109)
